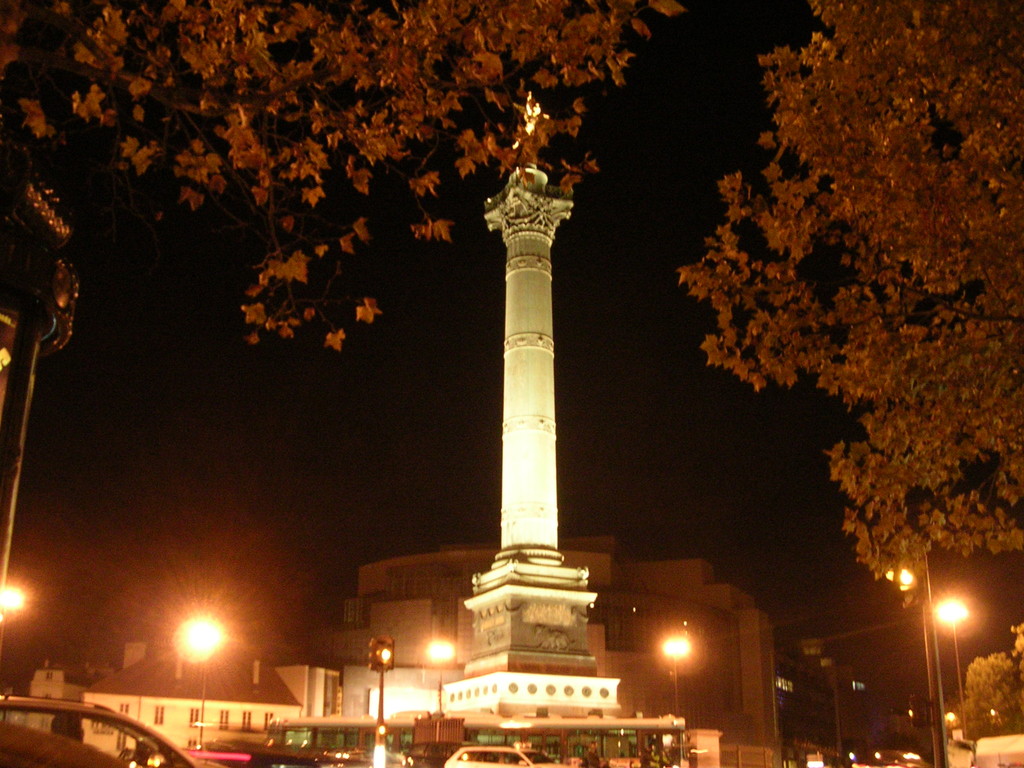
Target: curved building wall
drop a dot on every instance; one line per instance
(728, 683)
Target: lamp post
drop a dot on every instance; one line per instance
(37, 306)
(440, 653)
(676, 648)
(11, 600)
(907, 581)
(952, 612)
(200, 638)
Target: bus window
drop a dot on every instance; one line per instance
(550, 744)
(297, 737)
(338, 738)
(620, 744)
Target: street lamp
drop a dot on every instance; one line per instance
(676, 648)
(200, 638)
(11, 600)
(440, 653)
(907, 580)
(37, 307)
(952, 612)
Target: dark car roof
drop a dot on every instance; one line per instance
(22, 747)
(67, 705)
(257, 756)
(94, 711)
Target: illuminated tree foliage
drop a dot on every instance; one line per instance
(993, 697)
(880, 254)
(265, 108)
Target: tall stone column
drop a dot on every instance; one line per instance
(530, 650)
(526, 213)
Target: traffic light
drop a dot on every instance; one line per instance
(919, 711)
(382, 653)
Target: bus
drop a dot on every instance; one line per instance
(620, 740)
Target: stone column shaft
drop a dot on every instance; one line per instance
(527, 213)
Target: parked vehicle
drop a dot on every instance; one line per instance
(1000, 751)
(247, 754)
(487, 756)
(890, 758)
(88, 733)
(430, 754)
(22, 747)
(250, 755)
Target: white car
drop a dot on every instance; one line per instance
(487, 757)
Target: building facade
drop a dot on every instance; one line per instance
(823, 708)
(56, 683)
(726, 684)
(234, 699)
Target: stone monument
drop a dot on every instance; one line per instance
(530, 651)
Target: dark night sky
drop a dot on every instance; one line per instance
(169, 462)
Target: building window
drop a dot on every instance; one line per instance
(193, 717)
(224, 718)
(356, 612)
(158, 715)
(49, 675)
(268, 718)
(247, 721)
(124, 708)
(783, 684)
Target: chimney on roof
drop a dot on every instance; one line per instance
(256, 672)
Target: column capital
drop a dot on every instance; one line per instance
(528, 205)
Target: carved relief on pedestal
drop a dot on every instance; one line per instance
(551, 627)
(551, 639)
(580, 612)
(491, 627)
(553, 614)
(497, 638)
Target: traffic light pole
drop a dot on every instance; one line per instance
(381, 659)
(379, 740)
